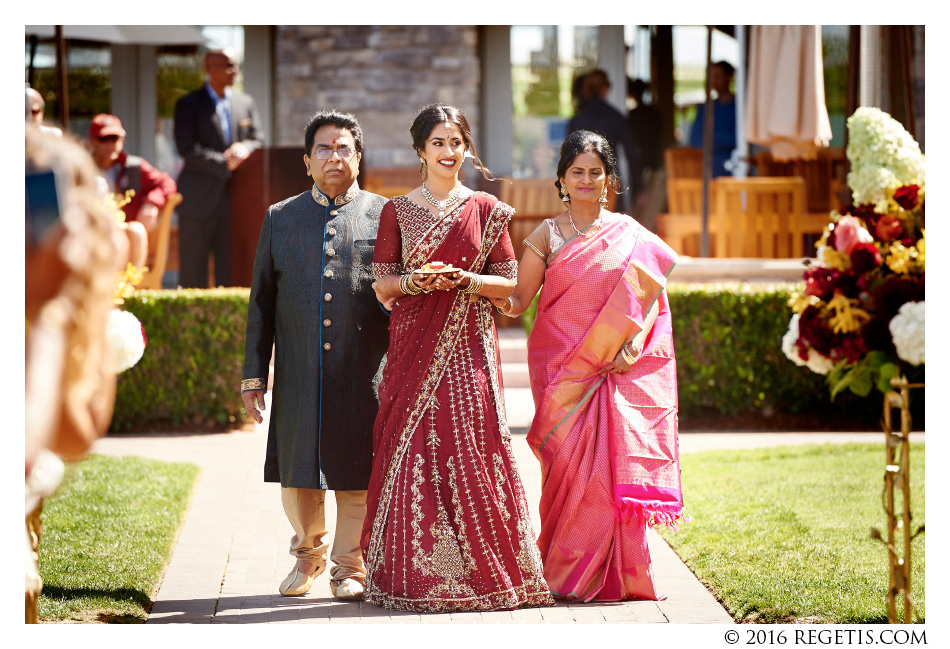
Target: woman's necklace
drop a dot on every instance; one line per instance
(598, 221)
(441, 205)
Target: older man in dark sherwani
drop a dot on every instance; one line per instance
(312, 300)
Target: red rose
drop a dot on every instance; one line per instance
(907, 196)
(144, 338)
(865, 257)
(888, 228)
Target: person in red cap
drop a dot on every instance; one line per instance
(124, 172)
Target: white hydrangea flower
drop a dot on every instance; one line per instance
(789, 339)
(907, 332)
(883, 157)
(124, 333)
(816, 362)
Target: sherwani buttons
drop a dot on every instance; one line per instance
(331, 251)
(326, 346)
(331, 231)
(327, 297)
(332, 213)
(328, 273)
(326, 323)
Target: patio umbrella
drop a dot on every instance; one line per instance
(123, 34)
(785, 100)
(127, 34)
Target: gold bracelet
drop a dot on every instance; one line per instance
(408, 286)
(252, 384)
(475, 284)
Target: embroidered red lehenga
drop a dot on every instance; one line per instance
(447, 525)
(607, 442)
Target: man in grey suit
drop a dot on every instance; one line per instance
(215, 131)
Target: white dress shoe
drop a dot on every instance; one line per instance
(298, 583)
(348, 588)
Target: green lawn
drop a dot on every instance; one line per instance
(107, 535)
(782, 534)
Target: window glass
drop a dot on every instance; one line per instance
(545, 59)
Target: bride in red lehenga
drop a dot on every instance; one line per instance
(447, 525)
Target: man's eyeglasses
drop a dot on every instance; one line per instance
(344, 153)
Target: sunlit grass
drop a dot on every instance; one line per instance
(783, 534)
(107, 535)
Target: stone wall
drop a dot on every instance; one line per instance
(381, 74)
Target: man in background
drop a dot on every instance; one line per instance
(595, 114)
(646, 129)
(215, 131)
(124, 172)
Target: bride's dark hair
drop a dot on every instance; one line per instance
(436, 114)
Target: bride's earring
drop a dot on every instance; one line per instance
(425, 169)
(603, 197)
(564, 196)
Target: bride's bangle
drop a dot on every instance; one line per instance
(509, 305)
(475, 284)
(408, 286)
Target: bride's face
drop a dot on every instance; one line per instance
(445, 151)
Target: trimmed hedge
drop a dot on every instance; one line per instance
(728, 340)
(190, 375)
(729, 359)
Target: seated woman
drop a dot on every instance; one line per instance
(603, 377)
(447, 525)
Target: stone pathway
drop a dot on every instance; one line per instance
(232, 550)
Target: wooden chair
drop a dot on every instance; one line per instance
(682, 226)
(758, 217)
(158, 245)
(683, 162)
(823, 176)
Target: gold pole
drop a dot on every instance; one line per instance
(897, 473)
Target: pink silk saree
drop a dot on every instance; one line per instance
(607, 442)
(447, 524)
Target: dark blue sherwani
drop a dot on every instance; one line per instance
(312, 300)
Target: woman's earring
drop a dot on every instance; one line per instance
(425, 169)
(603, 197)
(564, 196)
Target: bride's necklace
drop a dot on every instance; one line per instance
(441, 205)
(596, 222)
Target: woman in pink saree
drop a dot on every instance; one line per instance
(447, 525)
(603, 377)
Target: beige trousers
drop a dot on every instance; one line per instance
(305, 511)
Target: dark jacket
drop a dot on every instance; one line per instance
(312, 299)
(203, 181)
(597, 115)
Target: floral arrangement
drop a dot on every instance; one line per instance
(126, 339)
(860, 318)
